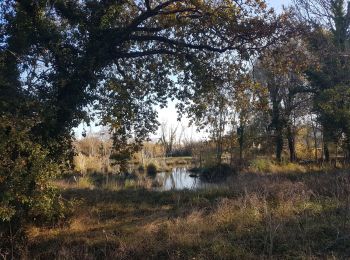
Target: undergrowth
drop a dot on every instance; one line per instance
(300, 215)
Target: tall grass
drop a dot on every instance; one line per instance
(304, 216)
(262, 165)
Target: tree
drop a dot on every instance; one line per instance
(212, 106)
(225, 106)
(281, 70)
(119, 56)
(168, 138)
(61, 59)
(334, 106)
(26, 163)
(248, 99)
(329, 23)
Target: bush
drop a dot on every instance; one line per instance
(260, 165)
(141, 168)
(151, 169)
(25, 171)
(27, 194)
(217, 173)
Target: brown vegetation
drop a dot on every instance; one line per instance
(295, 215)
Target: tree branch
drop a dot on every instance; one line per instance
(138, 54)
(179, 43)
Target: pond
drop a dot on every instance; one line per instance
(177, 179)
(180, 179)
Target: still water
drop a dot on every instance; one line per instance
(180, 179)
(177, 179)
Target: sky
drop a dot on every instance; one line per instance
(169, 114)
(278, 4)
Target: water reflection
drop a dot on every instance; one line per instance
(179, 179)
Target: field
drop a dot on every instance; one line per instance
(294, 215)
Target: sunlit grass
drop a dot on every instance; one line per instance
(279, 216)
(268, 166)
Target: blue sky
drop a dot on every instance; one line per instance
(278, 4)
(169, 114)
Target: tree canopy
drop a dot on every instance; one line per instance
(63, 61)
(118, 58)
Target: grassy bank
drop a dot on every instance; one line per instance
(299, 215)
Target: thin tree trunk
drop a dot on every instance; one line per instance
(241, 142)
(325, 147)
(221, 130)
(336, 155)
(291, 144)
(315, 142)
(231, 148)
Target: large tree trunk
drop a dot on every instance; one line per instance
(346, 149)
(325, 146)
(279, 144)
(278, 125)
(326, 151)
(291, 144)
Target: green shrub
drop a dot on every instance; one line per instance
(26, 192)
(260, 165)
(25, 171)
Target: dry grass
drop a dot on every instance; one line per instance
(273, 216)
(265, 166)
(166, 164)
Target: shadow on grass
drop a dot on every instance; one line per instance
(304, 215)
